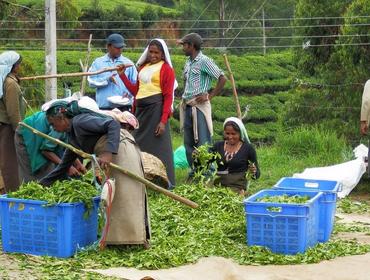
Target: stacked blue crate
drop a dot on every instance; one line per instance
(327, 204)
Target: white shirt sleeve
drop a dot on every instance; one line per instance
(365, 107)
(96, 81)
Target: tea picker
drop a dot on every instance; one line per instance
(117, 167)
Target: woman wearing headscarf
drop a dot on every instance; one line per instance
(96, 133)
(38, 156)
(12, 111)
(238, 157)
(154, 94)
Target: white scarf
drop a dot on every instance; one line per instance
(243, 132)
(7, 60)
(167, 58)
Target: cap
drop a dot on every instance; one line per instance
(116, 40)
(191, 38)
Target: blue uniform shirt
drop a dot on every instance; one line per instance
(106, 88)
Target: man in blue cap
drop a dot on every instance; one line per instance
(109, 84)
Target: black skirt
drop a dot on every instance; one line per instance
(148, 111)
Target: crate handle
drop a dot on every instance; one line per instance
(272, 215)
(274, 209)
(311, 185)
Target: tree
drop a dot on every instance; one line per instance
(95, 16)
(164, 3)
(354, 48)
(316, 24)
(237, 19)
(148, 16)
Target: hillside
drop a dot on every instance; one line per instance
(261, 82)
(133, 5)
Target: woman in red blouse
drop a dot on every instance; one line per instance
(153, 93)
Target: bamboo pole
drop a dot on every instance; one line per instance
(235, 94)
(115, 166)
(78, 74)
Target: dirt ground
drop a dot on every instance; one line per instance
(10, 268)
(217, 268)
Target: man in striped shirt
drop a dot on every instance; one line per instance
(195, 111)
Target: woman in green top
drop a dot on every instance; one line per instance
(38, 156)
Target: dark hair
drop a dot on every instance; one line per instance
(158, 44)
(16, 63)
(196, 46)
(193, 39)
(233, 125)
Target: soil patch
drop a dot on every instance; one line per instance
(10, 269)
(217, 268)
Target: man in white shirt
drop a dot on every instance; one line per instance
(365, 109)
(109, 84)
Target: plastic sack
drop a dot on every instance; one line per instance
(180, 158)
(347, 173)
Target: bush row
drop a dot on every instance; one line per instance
(253, 74)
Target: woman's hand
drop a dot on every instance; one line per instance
(252, 168)
(121, 69)
(105, 159)
(160, 129)
(73, 172)
(113, 79)
(80, 167)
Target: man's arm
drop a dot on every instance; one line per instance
(365, 109)
(220, 85)
(98, 81)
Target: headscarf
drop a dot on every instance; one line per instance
(122, 117)
(56, 106)
(167, 58)
(243, 132)
(7, 60)
(72, 106)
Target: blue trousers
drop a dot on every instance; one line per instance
(204, 135)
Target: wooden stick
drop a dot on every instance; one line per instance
(124, 171)
(235, 94)
(78, 74)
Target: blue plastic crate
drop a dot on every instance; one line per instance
(327, 204)
(282, 227)
(30, 227)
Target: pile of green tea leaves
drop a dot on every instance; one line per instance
(285, 198)
(67, 191)
(347, 205)
(182, 235)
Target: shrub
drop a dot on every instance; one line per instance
(306, 141)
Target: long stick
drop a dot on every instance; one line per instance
(78, 74)
(235, 94)
(124, 171)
